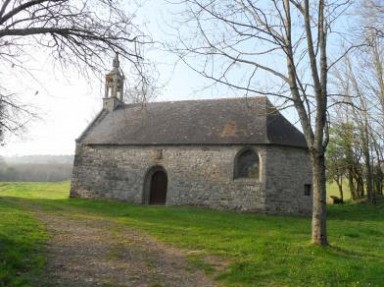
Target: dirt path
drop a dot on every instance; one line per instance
(91, 251)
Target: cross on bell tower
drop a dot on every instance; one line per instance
(114, 86)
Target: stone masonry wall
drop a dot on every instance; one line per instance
(197, 176)
(288, 170)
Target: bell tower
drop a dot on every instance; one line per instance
(114, 86)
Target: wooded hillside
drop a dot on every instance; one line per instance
(36, 168)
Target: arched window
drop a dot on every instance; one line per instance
(247, 164)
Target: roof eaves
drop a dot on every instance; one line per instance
(195, 144)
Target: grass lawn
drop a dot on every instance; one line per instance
(261, 250)
(332, 189)
(21, 245)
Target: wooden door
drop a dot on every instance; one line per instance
(158, 191)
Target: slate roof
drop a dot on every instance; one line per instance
(198, 122)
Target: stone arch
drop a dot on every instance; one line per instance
(155, 186)
(246, 164)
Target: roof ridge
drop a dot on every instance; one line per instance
(200, 100)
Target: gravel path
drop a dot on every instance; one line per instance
(91, 251)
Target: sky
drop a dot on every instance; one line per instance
(66, 102)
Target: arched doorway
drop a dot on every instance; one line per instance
(156, 186)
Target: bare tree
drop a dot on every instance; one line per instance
(373, 83)
(80, 33)
(273, 48)
(372, 57)
(361, 80)
(13, 115)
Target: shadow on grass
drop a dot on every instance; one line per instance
(356, 212)
(350, 253)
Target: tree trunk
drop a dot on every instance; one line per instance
(378, 180)
(339, 182)
(369, 178)
(359, 182)
(351, 183)
(319, 212)
(368, 166)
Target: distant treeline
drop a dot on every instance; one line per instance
(35, 172)
(36, 168)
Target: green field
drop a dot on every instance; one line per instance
(332, 189)
(260, 250)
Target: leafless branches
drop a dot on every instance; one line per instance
(13, 115)
(274, 48)
(360, 79)
(241, 43)
(74, 33)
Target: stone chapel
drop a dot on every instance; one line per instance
(232, 153)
